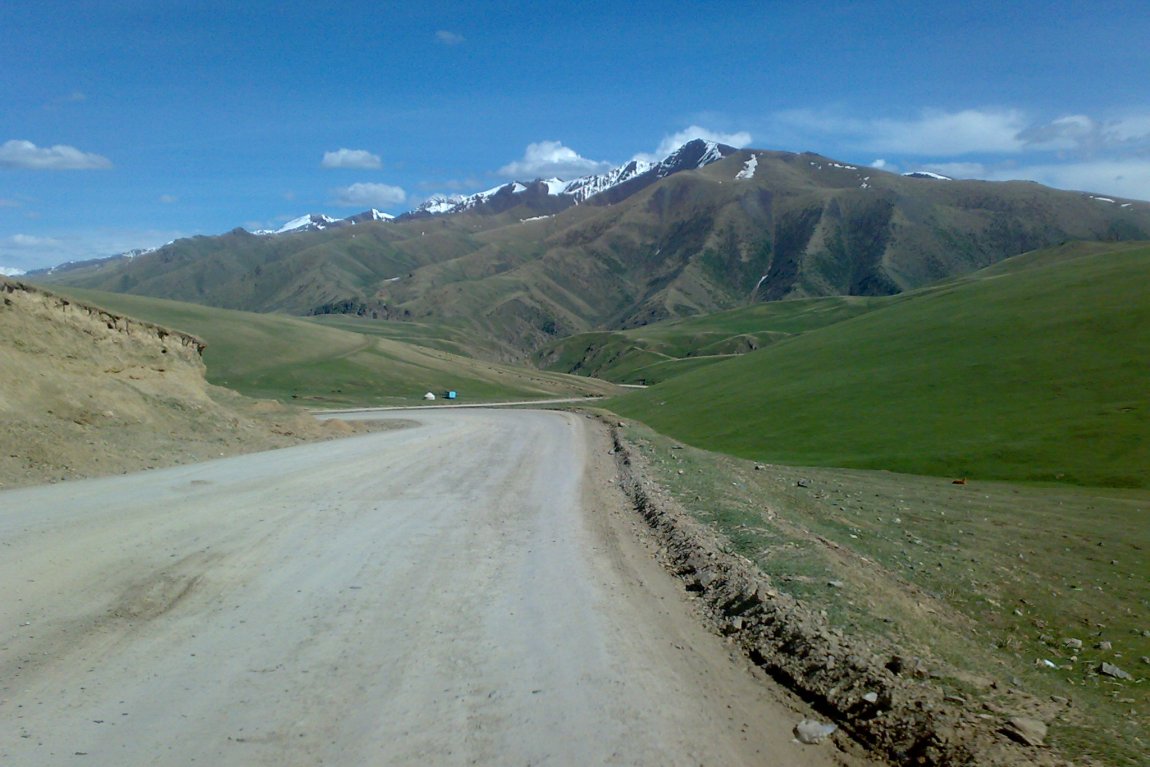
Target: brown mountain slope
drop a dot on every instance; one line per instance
(84, 392)
(694, 242)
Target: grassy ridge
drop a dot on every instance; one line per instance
(654, 353)
(280, 357)
(985, 581)
(1034, 371)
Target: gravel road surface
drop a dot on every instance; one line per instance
(465, 591)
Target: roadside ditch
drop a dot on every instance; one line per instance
(878, 694)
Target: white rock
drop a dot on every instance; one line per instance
(811, 732)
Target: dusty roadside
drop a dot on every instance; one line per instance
(465, 591)
(726, 683)
(879, 694)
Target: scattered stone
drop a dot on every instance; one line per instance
(1049, 663)
(759, 467)
(1104, 645)
(1030, 732)
(812, 732)
(835, 584)
(1072, 643)
(803, 483)
(622, 425)
(1109, 669)
(1146, 659)
(871, 697)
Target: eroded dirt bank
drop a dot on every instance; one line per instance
(880, 696)
(85, 392)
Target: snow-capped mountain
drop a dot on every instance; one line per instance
(634, 174)
(546, 196)
(312, 222)
(317, 222)
(370, 215)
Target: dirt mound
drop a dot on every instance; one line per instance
(878, 695)
(85, 392)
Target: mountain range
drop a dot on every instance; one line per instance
(708, 228)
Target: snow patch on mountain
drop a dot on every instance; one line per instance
(927, 174)
(748, 171)
(310, 222)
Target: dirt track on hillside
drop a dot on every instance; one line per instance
(467, 591)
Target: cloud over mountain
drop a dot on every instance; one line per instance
(672, 142)
(370, 195)
(360, 159)
(551, 158)
(27, 156)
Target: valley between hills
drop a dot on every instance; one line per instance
(891, 433)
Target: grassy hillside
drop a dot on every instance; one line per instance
(654, 353)
(982, 581)
(287, 358)
(1034, 370)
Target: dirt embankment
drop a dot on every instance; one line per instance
(85, 392)
(878, 695)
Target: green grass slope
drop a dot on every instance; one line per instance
(287, 358)
(1034, 371)
(653, 353)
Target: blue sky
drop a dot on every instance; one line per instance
(127, 123)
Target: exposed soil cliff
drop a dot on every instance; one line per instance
(85, 392)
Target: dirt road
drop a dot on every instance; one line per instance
(465, 591)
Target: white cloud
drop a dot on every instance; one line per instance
(551, 158)
(949, 133)
(1118, 177)
(932, 132)
(26, 155)
(1086, 136)
(28, 251)
(1130, 128)
(168, 199)
(351, 158)
(449, 38)
(10, 271)
(1064, 133)
(943, 134)
(370, 195)
(670, 143)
